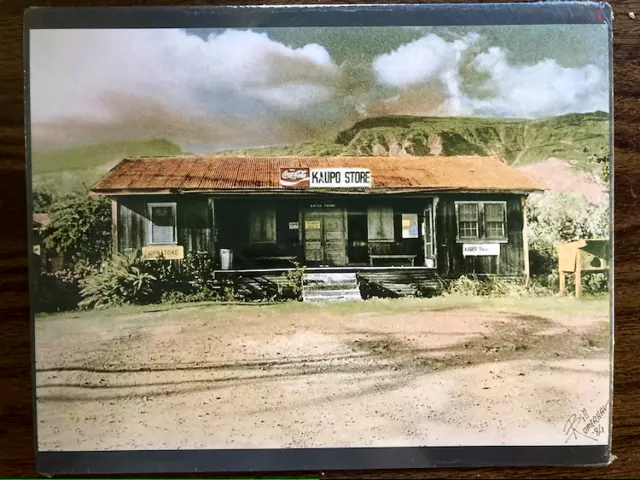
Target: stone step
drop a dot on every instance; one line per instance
(331, 286)
(340, 297)
(329, 277)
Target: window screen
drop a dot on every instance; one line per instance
(163, 223)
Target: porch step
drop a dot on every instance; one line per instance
(330, 287)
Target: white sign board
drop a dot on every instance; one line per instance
(305, 177)
(480, 249)
(340, 178)
(294, 225)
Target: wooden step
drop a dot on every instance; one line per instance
(330, 287)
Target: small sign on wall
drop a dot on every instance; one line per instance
(294, 225)
(312, 225)
(170, 252)
(480, 249)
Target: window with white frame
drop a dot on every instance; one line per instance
(162, 223)
(481, 221)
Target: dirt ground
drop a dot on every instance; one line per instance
(372, 374)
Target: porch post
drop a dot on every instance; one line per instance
(214, 231)
(114, 225)
(525, 239)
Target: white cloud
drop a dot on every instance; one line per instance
(542, 89)
(428, 59)
(74, 72)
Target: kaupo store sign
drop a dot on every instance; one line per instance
(326, 177)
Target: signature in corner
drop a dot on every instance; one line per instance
(582, 424)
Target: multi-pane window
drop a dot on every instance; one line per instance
(494, 220)
(481, 220)
(468, 220)
(162, 220)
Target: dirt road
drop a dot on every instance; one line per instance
(309, 376)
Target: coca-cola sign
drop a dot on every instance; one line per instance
(328, 178)
(294, 177)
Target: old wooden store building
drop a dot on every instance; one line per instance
(400, 219)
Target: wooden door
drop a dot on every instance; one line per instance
(325, 241)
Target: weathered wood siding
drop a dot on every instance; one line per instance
(194, 222)
(133, 217)
(233, 220)
(199, 228)
(451, 262)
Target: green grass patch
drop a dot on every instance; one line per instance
(545, 306)
(70, 167)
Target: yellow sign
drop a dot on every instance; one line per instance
(406, 223)
(312, 224)
(166, 252)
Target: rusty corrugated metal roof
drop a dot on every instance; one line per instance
(220, 173)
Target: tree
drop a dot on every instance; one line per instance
(41, 201)
(80, 228)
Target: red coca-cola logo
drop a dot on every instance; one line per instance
(291, 177)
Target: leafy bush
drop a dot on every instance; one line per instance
(122, 281)
(198, 268)
(57, 292)
(497, 287)
(554, 218)
(595, 283)
(293, 286)
(169, 277)
(41, 200)
(80, 227)
(203, 295)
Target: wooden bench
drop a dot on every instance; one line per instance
(411, 258)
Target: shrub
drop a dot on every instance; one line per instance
(495, 286)
(169, 277)
(193, 275)
(41, 200)
(57, 292)
(554, 218)
(595, 283)
(293, 286)
(203, 295)
(80, 227)
(122, 281)
(229, 293)
(198, 268)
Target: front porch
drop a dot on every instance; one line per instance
(326, 232)
(392, 282)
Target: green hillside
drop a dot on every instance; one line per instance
(520, 142)
(69, 168)
(569, 137)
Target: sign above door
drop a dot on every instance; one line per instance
(326, 177)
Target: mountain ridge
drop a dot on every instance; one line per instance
(573, 137)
